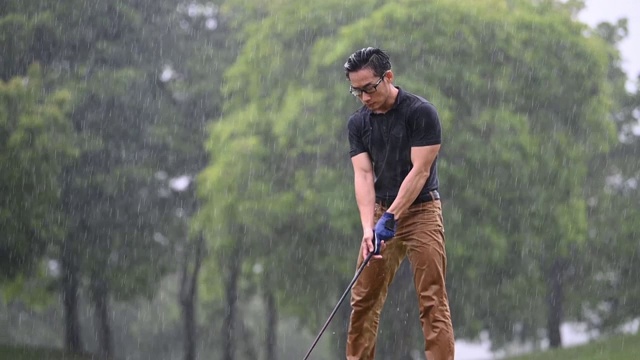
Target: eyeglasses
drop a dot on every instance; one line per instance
(369, 89)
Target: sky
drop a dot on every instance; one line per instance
(597, 11)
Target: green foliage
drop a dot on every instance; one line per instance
(130, 125)
(512, 65)
(611, 277)
(523, 95)
(37, 142)
(25, 41)
(271, 161)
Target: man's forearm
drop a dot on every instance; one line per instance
(409, 190)
(365, 198)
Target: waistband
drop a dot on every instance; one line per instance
(432, 195)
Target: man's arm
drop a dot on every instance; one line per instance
(421, 157)
(364, 189)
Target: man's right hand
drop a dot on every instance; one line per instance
(368, 245)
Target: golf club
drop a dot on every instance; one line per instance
(335, 309)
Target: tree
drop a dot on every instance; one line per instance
(194, 83)
(121, 112)
(242, 178)
(609, 262)
(147, 76)
(522, 95)
(36, 142)
(488, 67)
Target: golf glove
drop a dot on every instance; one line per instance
(384, 230)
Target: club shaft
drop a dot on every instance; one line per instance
(335, 309)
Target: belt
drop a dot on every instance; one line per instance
(432, 195)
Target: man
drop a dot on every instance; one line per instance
(394, 141)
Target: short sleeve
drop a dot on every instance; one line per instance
(425, 125)
(356, 138)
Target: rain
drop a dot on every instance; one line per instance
(176, 180)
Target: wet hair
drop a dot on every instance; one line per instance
(369, 57)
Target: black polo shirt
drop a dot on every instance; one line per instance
(389, 137)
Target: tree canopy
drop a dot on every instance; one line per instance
(523, 95)
(105, 105)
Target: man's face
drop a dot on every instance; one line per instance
(372, 90)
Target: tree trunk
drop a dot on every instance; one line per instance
(69, 284)
(100, 295)
(232, 273)
(555, 298)
(272, 324)
(248, 348)
(188, 298)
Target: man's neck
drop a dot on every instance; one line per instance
(390, 101)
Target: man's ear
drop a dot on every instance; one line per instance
(389, 76)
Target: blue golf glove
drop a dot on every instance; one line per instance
(384, 230)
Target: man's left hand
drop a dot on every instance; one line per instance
(385, 228)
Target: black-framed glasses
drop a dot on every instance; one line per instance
(369, 89)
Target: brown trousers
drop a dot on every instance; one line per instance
(420, 236)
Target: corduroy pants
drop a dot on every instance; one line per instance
(420, 237)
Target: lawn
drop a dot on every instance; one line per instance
(30, 353)
(616, 348)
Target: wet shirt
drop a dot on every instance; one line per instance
(389, 137)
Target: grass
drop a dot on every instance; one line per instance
(33, 353)
(625, 347)
(615, 348)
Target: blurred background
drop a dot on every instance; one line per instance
(175, 180)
